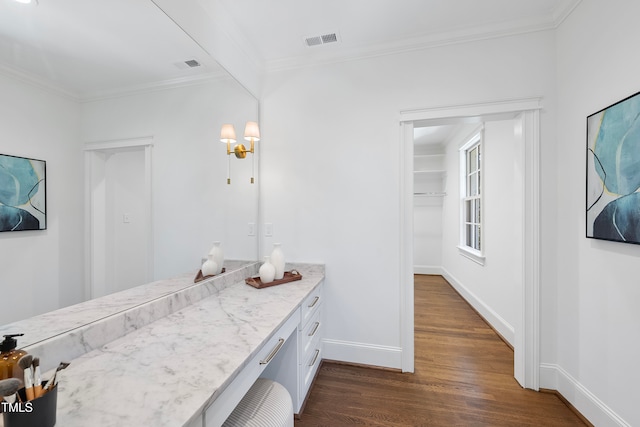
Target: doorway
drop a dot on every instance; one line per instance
(526, 325)
(118, 215)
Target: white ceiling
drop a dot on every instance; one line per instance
(275, 29)
(88, 47)
(424, 137)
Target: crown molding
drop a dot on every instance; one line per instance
(37, 82)
(466, 35)
(101, 95)
(561, 14)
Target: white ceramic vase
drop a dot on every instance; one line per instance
(209, 267)
(267, 271)
(217, 255)
(277, 259)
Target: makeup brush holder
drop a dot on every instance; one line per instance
(40, 412)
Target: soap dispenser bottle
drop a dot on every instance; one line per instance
(9, 357)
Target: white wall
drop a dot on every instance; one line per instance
(597, 282)
(192, 205)
(330, 167)
(127, 242)
(490, 288)
(43, 270)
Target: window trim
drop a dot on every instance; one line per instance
(476, 139)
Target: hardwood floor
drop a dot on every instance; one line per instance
(463, 377)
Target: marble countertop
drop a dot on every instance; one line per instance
(167, 372)
(45, 326)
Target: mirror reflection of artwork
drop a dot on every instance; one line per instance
(22, 194)
(613, 172)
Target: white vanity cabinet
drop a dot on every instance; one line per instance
(310, 346)
(299, 359)
(291, 357)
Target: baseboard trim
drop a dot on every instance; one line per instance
(579, 398)
(362, 354)
(360, 365)
(569, 405)
(501, 326)
(427, 269)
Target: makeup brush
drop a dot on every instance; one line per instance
(25, 365)
(37, 377)
(52, 381)
(8, 389)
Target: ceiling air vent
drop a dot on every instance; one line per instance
(189, 63)
(329, 38)
(192, 63)
(313, 41)
(322, 39)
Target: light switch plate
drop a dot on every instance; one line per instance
(268, 229)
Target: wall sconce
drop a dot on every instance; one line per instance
(228, 136)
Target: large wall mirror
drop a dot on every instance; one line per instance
(126, 109)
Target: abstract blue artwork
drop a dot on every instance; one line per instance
(613, 172)
(23, 194)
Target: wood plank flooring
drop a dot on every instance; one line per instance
(463, 377)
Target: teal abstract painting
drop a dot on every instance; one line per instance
(613, 172)
(23, 194)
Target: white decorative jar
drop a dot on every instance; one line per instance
(209, 267)
(277, 259)
(217, 255)
(267, 271)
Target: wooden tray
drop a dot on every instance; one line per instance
(289, 276)
(200, 277)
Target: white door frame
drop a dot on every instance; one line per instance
(527, 329)
(92, 150)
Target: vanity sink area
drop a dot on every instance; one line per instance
(184, 358)
(168, 367)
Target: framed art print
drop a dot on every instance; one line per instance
(23, 194)
(613, 172)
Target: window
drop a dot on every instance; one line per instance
(471, 244)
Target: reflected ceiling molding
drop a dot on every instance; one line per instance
(100, 95)
(212, 31)
(43, 84)
(561, 14)
(37, 82)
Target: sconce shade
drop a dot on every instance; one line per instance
(252, 131)
(227, 134)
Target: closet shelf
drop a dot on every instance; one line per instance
(430, 194)
(432, 171)
(428, 156)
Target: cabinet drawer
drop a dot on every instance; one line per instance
(311, 331)
(310, 366)
(310, 306)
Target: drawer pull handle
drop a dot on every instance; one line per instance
(313, 362)
(273, 353)
(315, 328)
(315, 301)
